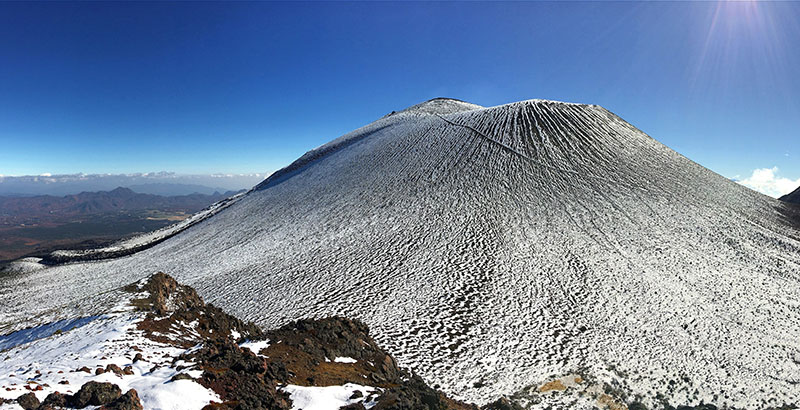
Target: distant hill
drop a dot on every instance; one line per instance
(167, 189)
(27, 209)
(793, 197)
(157, 183)
(37, 225)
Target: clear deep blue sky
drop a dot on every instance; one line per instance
(248, 87)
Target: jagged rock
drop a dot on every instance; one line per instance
(128, 401)
(503, 404)
(412, 395)
(28, 401)
(240, 377)
(95, 394)
(55, 400)
(170, 303)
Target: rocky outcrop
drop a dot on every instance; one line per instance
(107, 396)
(250, 368)
(169, 306)
(301, 353)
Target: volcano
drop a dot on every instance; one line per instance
(492, 249)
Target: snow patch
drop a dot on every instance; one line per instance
(52, 363)
(255, 346)
(329, 397)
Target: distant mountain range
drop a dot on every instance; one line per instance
(28, 209)
(793, 197)
(157, 183)
(168, 189)
(37, 225)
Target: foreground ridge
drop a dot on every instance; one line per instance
(167, 343)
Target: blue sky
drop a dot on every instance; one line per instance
(248, 87)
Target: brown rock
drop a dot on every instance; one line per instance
(28, 401)
(95, 394)
(55, 399)
(115, 369)
(128, 401)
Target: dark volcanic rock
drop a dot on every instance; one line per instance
(242, 379)
(28, 401)
(95, 394)
(503, 404)
(55, 400)
(128, 401)
(170, 305)
(307, 348)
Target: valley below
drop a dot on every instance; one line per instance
(39, 225)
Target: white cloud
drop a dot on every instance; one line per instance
(767, 181)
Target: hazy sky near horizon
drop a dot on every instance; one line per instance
(248, 87)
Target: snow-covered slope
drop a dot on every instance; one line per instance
(494, 248)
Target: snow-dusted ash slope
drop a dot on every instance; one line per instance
(494, 248)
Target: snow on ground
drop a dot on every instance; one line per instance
(23, 265)
(329, 397)
(344, 360)
(254, 346)
(490, 248)
(53, 362)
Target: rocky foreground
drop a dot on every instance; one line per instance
(164, 348)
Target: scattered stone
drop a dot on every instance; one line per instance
(181, 376)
